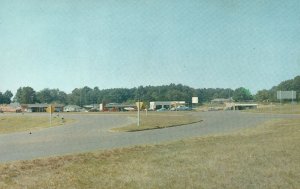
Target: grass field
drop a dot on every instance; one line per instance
(18, 122)
(267, 156)
(157, 120)
(278, 109)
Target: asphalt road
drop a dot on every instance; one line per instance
(91, 132)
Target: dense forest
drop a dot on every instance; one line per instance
(87, 95)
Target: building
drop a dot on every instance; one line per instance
(58, 107)
(92, 107)
(240, 106)
(12, 107)
(73, 108)
(41, 107)
(35, 107)
(221, 100)
(165, 104)
(117, 107)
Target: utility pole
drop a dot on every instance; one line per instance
(138, 122)
(138, 106)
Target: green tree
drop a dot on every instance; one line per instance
(25, 95)
(1, 98)
(242, 94)
(75, 97)
(51, 96)
(7, 96)
(296, 86)
(44, 96)
(263, 96)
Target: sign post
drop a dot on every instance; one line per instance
(138, 123)
(139, 105)
(50, 109)
(286, 95)
(194, 100)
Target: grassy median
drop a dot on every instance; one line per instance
(158, 120)
(263, 157)
(278, 109)
(18, 122)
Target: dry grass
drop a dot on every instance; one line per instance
(19, 122)
(263, 157)
(278, 109)
(158, 120)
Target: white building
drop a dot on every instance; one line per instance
(72, 108)
(239, 106)
(165, 104)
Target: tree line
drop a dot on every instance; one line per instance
(271, 94)
(5, 98)
(87, 95)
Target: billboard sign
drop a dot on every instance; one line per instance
(50, 109)
(286, 95)
(195, 100)
(139, 104)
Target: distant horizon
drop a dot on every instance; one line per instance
(126, 44)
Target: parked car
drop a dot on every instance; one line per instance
(173, 109)
(183, 108)
(129, 109)
(162, 110)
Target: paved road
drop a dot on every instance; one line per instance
(91, 132)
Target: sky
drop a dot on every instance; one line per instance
(68, 44)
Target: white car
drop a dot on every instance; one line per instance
(129, 108)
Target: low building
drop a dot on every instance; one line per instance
(240, 106)
(73, 108)
(92, 107)
(41, 107)
(12, 107)
(117, 107)
(35, 107)
(59, 107)
(165, 104)
(221, 100)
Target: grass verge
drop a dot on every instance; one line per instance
(155, 120)
(19, 122)
(263, 157)
(278, 109)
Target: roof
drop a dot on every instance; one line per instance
(221, 100)
(115, 105)
(15, 105)
(246, 104)
(167, 102)
(37, 105)
(43, 105)
(72, 106)
(91, 106)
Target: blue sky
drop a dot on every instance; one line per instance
(219, 43)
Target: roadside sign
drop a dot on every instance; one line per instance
(50, 109)
(139, 104)
(195, 100)
(281, 95)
